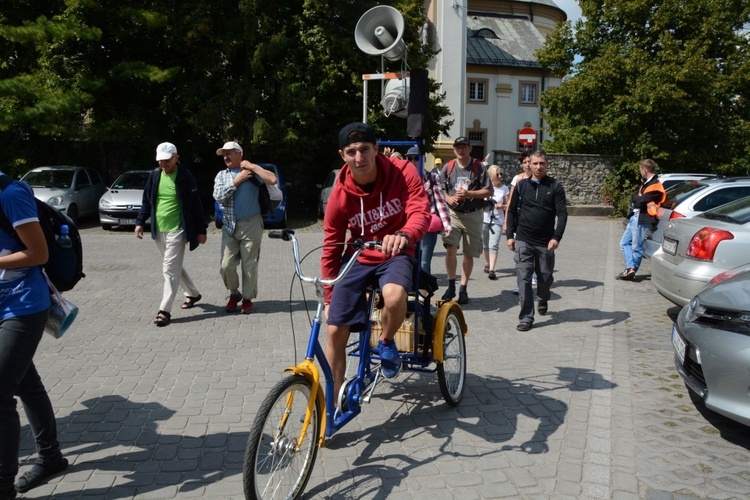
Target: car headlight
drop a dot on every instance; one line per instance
(55, 201)
(694, 310)
(105, 203)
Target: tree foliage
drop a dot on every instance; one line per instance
(666, 79)
(117, 78)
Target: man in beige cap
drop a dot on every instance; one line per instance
(237, 189)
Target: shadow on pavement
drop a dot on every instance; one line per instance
(118, 435)
(581, 285)
(490, 412)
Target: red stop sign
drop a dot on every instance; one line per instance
(527, 136)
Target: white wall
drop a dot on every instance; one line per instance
(451, 61)
(502, 116)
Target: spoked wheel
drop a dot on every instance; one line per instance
(452, 371)
(276, 464)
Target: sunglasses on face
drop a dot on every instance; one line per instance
(412, 157)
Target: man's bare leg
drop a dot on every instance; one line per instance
(451, 261)
(466, 268)
(336, 356)
(394, 309)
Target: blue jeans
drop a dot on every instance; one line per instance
(428, 243)
(632, 243)
(19, 338)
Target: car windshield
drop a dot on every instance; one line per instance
(737, 210)
(59, 179)
(679, 192)
(131, 180)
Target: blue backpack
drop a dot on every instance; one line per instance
(64, 267)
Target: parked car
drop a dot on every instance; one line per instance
(119, 206)
(669, 180)
(75, 191)
(325, 191)
(711, 339)
(692, 198)
(278, 217)
(695, 250)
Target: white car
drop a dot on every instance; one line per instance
(75, 191)
(119, 206)
(691, 198)
(669, 180)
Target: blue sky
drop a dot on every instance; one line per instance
(571, 8)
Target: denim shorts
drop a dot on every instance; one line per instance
(348, 305)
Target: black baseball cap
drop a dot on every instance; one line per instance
(356, 132)
(461, 140)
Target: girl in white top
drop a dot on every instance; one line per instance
(494, 218)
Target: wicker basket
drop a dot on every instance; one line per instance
(404, 335)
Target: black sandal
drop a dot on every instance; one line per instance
(191, 301)
(162, 318)
(38, 474)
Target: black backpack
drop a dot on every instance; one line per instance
(65, 265)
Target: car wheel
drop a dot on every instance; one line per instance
(106, 227)
(73, 213)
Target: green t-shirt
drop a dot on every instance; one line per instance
(167, 207)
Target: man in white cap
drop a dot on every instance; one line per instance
(171, 200)
(237, 190)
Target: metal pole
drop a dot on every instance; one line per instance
(364, 102)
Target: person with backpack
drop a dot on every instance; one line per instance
(535, 204)
(24, 306)
(466, 186)
(172, 201)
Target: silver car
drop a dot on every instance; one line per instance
(669, 180)
(691, 198)
(712, 344)
(75, 191)
(695, 250)
(325, 191)
(119, 206)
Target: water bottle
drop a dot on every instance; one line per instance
(63, 240)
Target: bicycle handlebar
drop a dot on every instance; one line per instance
(359, 246)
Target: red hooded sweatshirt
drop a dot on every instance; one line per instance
(398, 202)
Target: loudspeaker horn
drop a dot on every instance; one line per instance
(379, 32)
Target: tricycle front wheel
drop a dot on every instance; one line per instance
(276, 464)
(452, 370)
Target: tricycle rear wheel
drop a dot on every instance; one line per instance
(452, 370)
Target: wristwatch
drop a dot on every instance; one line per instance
(401, 233)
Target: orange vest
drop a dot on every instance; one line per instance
(652, 207)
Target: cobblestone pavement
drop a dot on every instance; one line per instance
(586, 405)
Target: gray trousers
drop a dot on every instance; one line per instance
(529, 258)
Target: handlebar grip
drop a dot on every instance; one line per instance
(284, 234)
